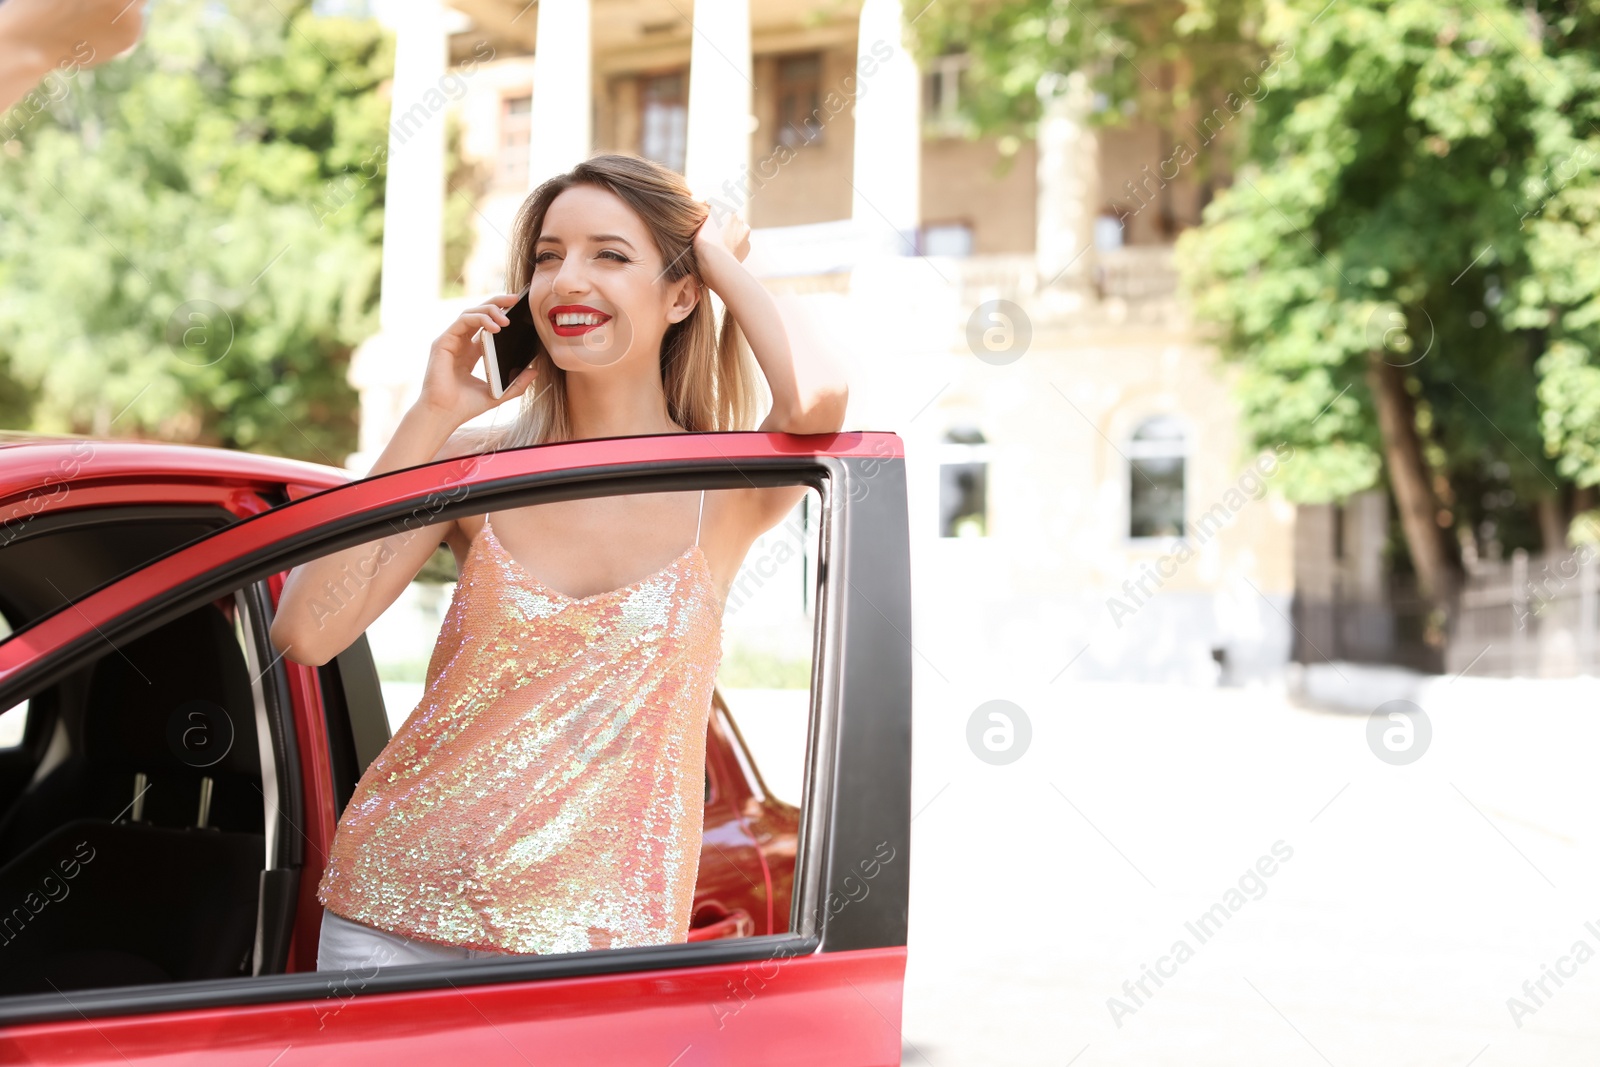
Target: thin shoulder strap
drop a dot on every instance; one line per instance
(701, 517)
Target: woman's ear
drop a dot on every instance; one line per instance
(686, 294)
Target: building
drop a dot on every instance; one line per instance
(1082, 507)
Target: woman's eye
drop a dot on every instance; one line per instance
(620, 258)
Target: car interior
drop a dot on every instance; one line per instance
(137, 786)
(170, 832)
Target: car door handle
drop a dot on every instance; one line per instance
(735, 923)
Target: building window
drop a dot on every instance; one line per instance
(946, 239)
(964, 484)
(799, 118)
(664, 118)
(1157, 455)
(1110, 231)
(345, 9)
(516, 113)
(943, 84)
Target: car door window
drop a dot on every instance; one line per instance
(769, 623)
(52, 559)
(767, 667)
(13, 720)
(13, 723)
(762, 684)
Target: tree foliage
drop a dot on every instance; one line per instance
(1157, 59)
(1417, 182)
(192, 233)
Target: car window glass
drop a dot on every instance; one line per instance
(49, 561)
(565, 581)
(13, 720)
(155, 768)
(536, 562)
(768, 623)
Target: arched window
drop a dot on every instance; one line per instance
(963, 483)
(1157, 454)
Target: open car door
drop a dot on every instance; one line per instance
(826, 991)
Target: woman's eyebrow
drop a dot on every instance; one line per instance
(597, 238)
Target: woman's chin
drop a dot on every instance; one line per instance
(581, 357)
(599, 347)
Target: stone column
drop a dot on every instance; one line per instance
(387, 368)
(1068, 183)
(885, 210)
(414, 171)
(560, 121)
(886, 205)
(717, 159)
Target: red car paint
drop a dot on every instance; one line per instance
(771, 1012)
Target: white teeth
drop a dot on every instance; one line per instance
(573, 318)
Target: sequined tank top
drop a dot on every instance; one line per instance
(547, 793)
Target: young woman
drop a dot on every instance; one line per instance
(546, 794)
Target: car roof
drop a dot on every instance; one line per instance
(35, 459)
(22, 437)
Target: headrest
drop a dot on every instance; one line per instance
(176, 699)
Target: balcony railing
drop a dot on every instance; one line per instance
(1137, 272)
(821, 255)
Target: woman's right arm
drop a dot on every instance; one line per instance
(327, 602)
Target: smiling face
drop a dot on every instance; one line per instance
(599, 294)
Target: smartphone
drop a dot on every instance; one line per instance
(507, 353)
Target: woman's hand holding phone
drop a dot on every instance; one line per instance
(449, 387)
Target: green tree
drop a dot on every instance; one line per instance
(192, 234)
(1379, 268)
(1165, 60)
(1559, 301)
(1404, 267)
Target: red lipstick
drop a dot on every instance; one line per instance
(598, 318)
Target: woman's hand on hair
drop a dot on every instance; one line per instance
(731, 235)
(449, 388)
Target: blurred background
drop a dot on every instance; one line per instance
(1245, 355)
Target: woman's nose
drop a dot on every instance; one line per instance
(570, 276)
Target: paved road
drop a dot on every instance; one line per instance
(1405, 906)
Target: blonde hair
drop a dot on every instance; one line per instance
(710, 380)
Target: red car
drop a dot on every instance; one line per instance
(157, 898)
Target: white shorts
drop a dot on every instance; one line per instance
(346, 945)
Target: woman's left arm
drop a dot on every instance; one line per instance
(808, 385)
